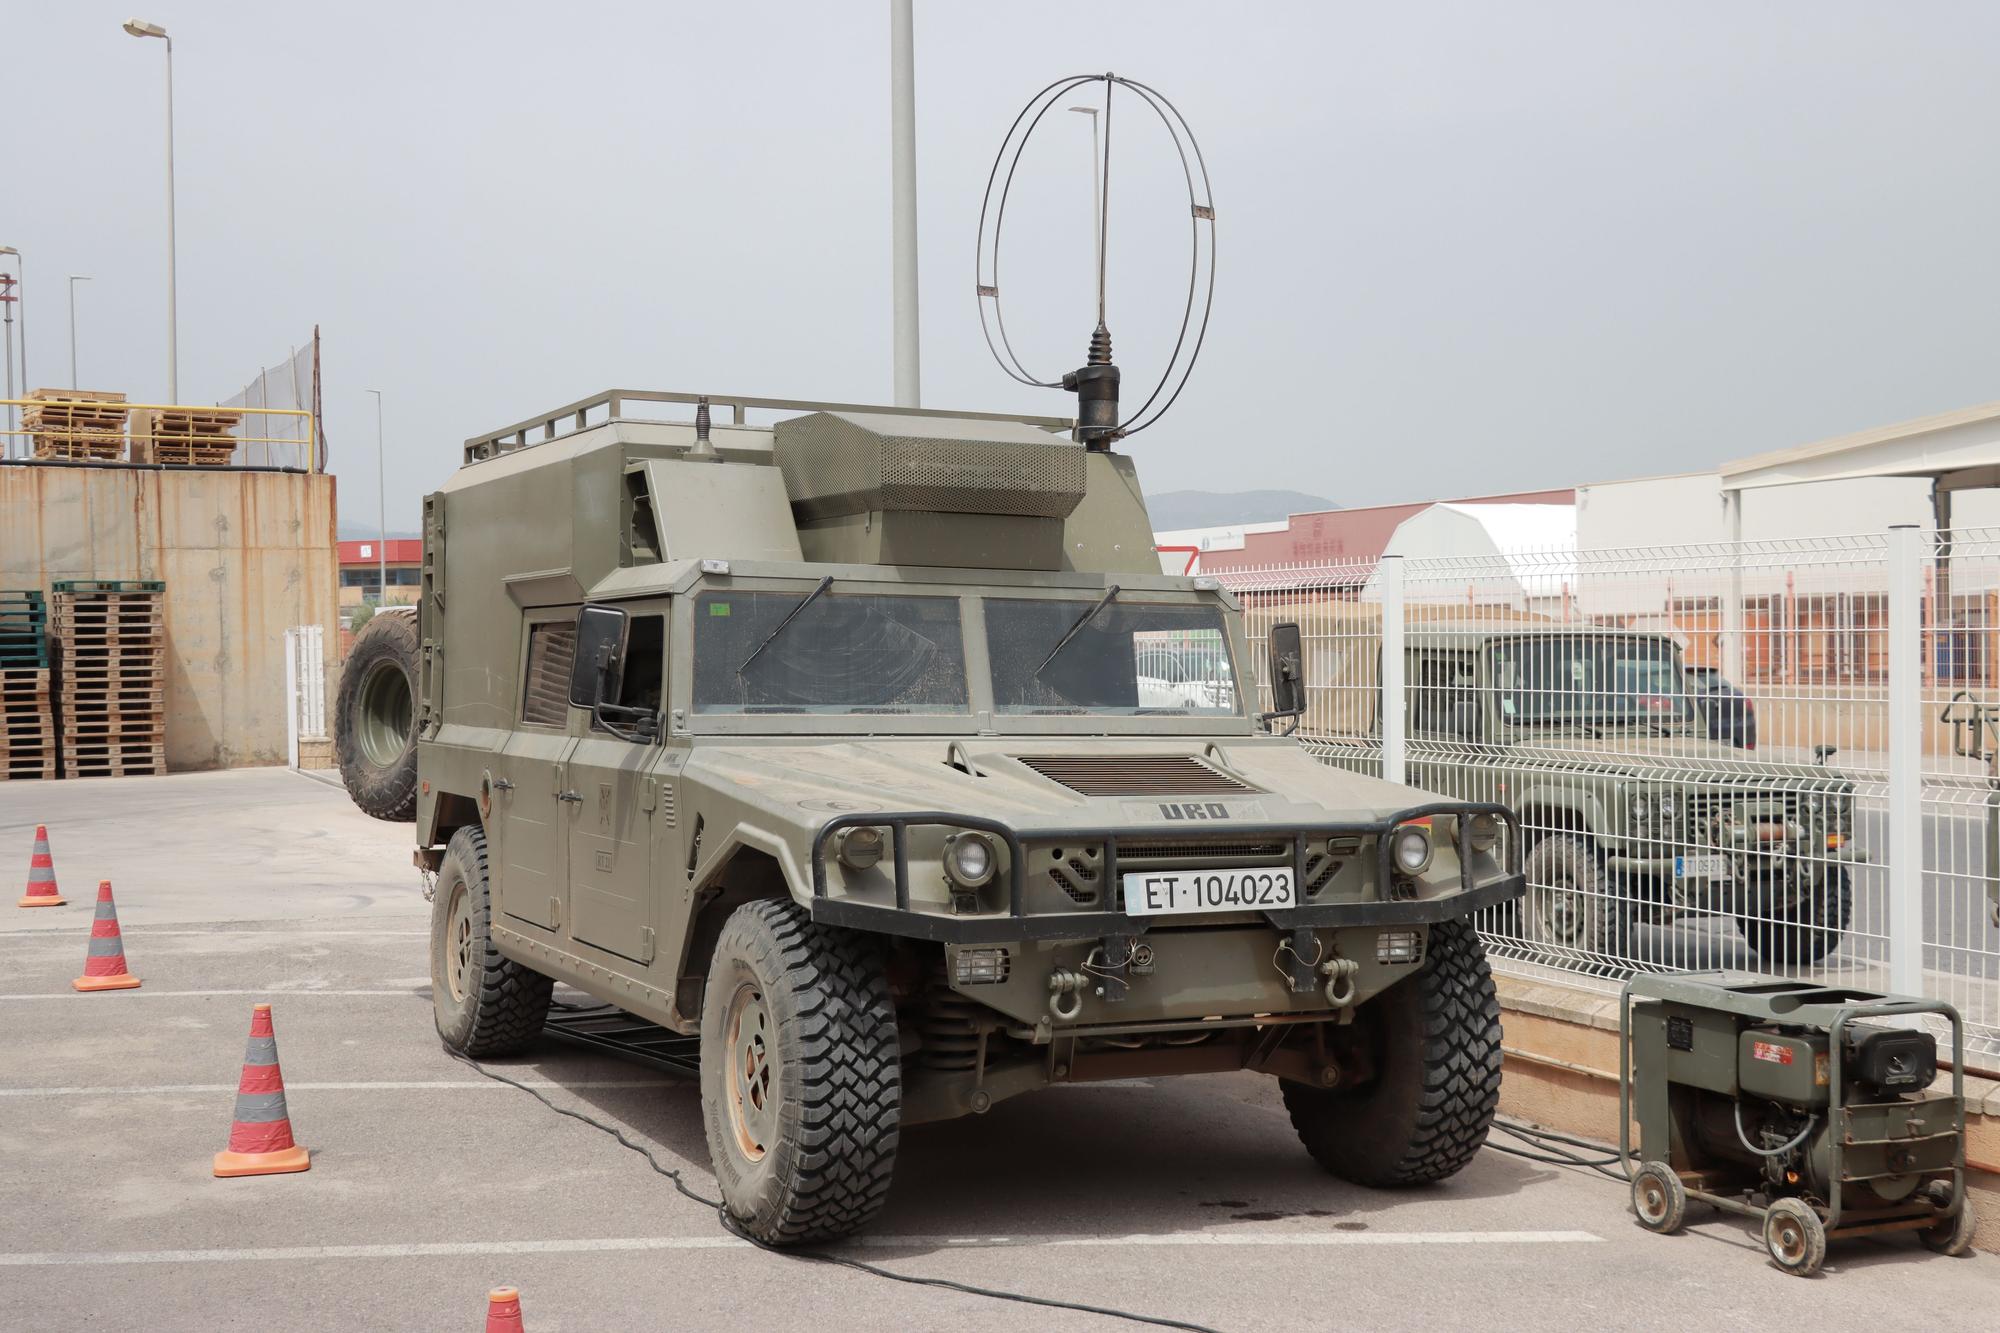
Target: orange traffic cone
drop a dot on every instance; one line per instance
(260, 1136)
(41, 874)
(503, 1310)
(104, 965)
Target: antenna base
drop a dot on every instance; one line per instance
(1096, 390)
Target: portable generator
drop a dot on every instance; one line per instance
(1788, 1100)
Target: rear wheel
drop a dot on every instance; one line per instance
(1804, 931)
(375, 716)
(1434, 1039)
(1659, 1199)
(801, 1075)
(485, 1004)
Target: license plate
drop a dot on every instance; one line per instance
(1710, 867)
(1166, 892)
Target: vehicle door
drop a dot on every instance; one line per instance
(526, 836)
(1442, 740)
(612, 795)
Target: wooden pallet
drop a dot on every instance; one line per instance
(186, 436)
(112, 655)
(85, 424)
(27, 725)
(13, 770)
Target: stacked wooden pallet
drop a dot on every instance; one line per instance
(76, 424)
(185, 436)
(113, 677)
(27, 717)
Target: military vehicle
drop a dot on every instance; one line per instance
(1632, 811)
(873, 746)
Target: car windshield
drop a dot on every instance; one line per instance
(1139, 658)
(1590, 678)
(842, 654)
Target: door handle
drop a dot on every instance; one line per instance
(569, 796)
(502, 784)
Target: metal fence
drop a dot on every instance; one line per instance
(1776, 756)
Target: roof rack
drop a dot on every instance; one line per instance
(613, 402)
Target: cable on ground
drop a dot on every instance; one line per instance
(730, 1225)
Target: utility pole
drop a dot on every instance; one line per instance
(903, 200)
(381, 510)
(7, 298)
(139, 28)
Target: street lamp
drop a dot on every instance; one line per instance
(74, 279)
(1096, 198)
(139, 28)
(20, 284)
(381, 508)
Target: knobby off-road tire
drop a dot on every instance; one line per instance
(375, 716)
(485, 1004)
(1570, 904)
(1437, 1051)
(801, 1080)
(1807, 930)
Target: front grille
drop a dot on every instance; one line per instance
(1705, 808)
(1199, 849)
(1136, 775)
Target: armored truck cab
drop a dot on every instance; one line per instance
(874, 747)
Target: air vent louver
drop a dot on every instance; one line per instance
(1136, 775)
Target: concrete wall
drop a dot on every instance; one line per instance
(245, 556)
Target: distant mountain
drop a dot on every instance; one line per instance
(1172, 510)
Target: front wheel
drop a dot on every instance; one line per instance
(1435, 1041)
(1804, 931)
(801, 1075)
(1570, 905)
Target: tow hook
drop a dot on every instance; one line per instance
(1339, 974)
(1066, 993)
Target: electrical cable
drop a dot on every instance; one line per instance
(730, 1225)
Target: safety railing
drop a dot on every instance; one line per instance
(97, 428)
(1779, 756)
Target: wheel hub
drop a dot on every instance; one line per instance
(1791, 1240)
(458, 943)
(753, 1081)
(1654, 1199)
(383, 714)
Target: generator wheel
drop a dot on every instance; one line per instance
(801, 1075)
(1807, 930)
(1795, 1237)
(1570, 904)
(485, 1004)
(375, 716)
(1659, 1198)
(1435, 1039)
(1949, 1235)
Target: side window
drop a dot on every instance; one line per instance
(645, 664)
(545, 687)
(1438, 681)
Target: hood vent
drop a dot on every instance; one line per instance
(1136, 775)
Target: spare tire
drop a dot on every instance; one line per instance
(375, 716)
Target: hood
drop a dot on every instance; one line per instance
(1682, 758)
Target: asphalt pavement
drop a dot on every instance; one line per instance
(1184, 1199)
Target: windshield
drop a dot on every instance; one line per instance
(1592, 679)
(842, 654)
(1131, 657)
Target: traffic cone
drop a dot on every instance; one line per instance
(41, 875)
(503, 1310)
(104, 965)
(260, 1136)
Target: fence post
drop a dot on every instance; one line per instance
(1906, 755)
(1395, 743)
(292, 697)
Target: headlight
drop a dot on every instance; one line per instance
(969, 859)
(1483, 832)
(1642, 808)
(860, 848)
(1666, 807)
(1410, 849)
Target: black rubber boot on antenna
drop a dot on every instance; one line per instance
(702, 446)
(1096, 390)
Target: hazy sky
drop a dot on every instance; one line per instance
(1463, 248)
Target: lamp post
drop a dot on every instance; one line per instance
(142, 29)
(1096, 198)
(20, 292)
(381, 508)
(74, 279)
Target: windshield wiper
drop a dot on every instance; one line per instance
(790, 616)
(1075, 629)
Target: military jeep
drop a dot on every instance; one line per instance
(873, 747)
(1632, 813)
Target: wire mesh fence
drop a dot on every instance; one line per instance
(1772, 756)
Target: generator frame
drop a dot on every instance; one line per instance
(1786, 1000)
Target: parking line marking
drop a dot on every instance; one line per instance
(265, 993)
(454, 1249)
(384, 1085)
(285, 932)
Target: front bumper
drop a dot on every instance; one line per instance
(1017, 923)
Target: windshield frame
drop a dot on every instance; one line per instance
(971, 588)
(1683, 720)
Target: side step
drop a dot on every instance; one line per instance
(607, 1028)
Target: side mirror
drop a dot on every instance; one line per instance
(599, 667)
(1288, 672)
(1466, 719)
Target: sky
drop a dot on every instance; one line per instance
(1462, 249)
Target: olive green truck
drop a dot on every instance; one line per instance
(873, 746)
